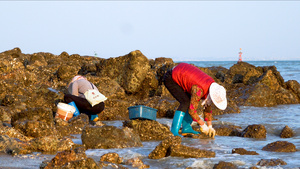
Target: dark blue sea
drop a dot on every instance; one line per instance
(273, 118)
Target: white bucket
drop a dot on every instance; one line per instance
(65, 111)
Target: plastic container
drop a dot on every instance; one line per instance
(77, 112)
(65, 111)
(142, 112)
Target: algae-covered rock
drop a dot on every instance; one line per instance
(13, 146)
(136, 163)
(243, 151)
(149, 129)
(34, 128)
(106, 137)
(271, 162)
(227, 130)
(112, 158)
(51, 144)
(280, 146)
(255, 131)
(190, 152)
(162, 148)
(286, 132)
(129, 70)
(36, 114)
(224, 165)
(89, 163)
(68, 157)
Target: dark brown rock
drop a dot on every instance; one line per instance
(109, 137)
(51, 144)
(136, 163)
(242, 72)
(255, 131)
(129, 70)
(160, 150)
(149, 129)
(13, 133)
(74, 126)
(116, 109)
(253, 167)
(13, 146)
(242, 151)
(227, 130)
(62, 158)
(83, 163)
(258, 86)
(36, 114)
(287, 132)
(280, 146)
(190, 152)
(271, 162)
(5, 114)
(112, 158)
(224, 165)
(294, 86)
(34, 128)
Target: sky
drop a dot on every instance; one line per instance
(181, 30)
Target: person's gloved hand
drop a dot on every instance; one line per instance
(204, 129)
(211, 131)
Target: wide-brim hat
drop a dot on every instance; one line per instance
(218, 95)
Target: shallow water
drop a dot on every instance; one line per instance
(274, 119)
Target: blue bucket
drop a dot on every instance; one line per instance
(76, 113)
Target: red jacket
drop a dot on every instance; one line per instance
(186, 75)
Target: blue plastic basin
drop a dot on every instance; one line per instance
(142, 112)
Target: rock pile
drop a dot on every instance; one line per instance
(33, 84)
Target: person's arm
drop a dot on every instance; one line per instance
(196, 95)
(208, 118)
(75, 89)
(208, 114)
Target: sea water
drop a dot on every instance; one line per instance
(273, 118)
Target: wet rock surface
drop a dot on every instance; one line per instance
(286, 132)
(255, 131)
(148, 129)
(243, 151)
(109, 137)
(172, 147)
(271, 162)
(224, 165)
(112, 158)
(190, 152)
(161, 150)
(65, 158)
(227, 130)
(280, 146)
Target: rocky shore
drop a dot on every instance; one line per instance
(33, 84)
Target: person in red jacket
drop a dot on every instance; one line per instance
(189, 85)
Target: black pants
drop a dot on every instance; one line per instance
(83, 105)
(177, 92)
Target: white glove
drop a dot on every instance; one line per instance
(204, 129)
(211, 131)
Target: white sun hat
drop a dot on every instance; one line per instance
(218, 95)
